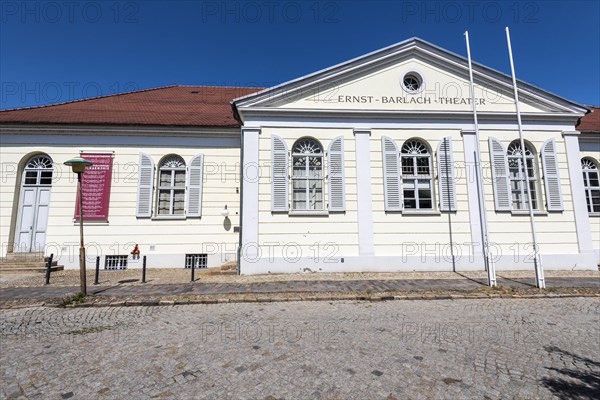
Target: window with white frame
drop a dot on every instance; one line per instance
(171, 186)
(196, 261)
(175, 193)
(115, 262)
(38, 171)
(307, 175)
(591, 184)
(517, 175)
(417, 175)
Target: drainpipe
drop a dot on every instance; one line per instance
(241, 198)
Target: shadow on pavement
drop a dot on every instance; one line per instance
(520, 281)
(479, 281)
(573, 383)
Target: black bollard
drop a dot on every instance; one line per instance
(144, 270)
(49, 268)
(193, 270)
(97, 277)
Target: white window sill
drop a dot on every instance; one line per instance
(308, 213)
(421, 212)
(169, 217)
(526, 212)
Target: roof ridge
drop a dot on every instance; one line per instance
(222, 86)
(408, 45)
(89, 98)
(125, 93)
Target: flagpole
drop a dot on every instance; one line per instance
(539, 272)
(488, 262)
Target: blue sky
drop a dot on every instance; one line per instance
(59, 51)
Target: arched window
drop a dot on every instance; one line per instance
(417, 175)
(171, 186)
(591, 184)
(516, 170)
(38, 171)
(307, 175)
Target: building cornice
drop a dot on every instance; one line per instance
(266, 113)
(119, 130)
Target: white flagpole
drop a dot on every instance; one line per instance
(539, 272)
(489, 264)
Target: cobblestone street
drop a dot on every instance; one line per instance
(451, 349)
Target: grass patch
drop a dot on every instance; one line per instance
(76, 298)
(91, 329)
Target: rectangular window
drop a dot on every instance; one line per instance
(30, 177)
(307, 183)
(594, 201)
(115, 262)
(416, 182)
(196, 261)
(171, 186)
(46, 178)
(520, 199)
(592, 189)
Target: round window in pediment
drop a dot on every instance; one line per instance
(412, 82)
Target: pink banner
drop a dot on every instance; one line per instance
(95, 186)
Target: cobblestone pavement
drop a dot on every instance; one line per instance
(446, 349)
(372, 285)
(70, 277)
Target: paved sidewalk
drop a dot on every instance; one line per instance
(345, 286)
(458, 350)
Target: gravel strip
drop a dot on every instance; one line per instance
(425, 294)
(70, 277)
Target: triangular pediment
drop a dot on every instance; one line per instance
(376, 82)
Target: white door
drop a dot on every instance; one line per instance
(34, 200)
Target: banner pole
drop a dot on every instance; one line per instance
(489, 264)
(539, 272)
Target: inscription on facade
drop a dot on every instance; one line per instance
(407, 100)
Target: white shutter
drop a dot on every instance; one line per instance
(446, 184)
(551, 176)
(193, 198)
(145, 185)
(279, 174)
(392, 187)
(500, 177)
(335, 171)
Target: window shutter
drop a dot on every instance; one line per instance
(145, 185)
(391, 175)
(335, 171)
(500, 178)
(193, 199)
(446, 184)
(551, 176)
(279, 174)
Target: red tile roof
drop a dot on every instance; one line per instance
(169, 105)
(591, 121)
(176, 105)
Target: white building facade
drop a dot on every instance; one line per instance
(370, 165)
(174, 169)
(589, 142)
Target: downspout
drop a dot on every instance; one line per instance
(241, 194)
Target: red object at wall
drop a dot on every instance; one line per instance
(95, 186)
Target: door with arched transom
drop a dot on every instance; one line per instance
(34, 202)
